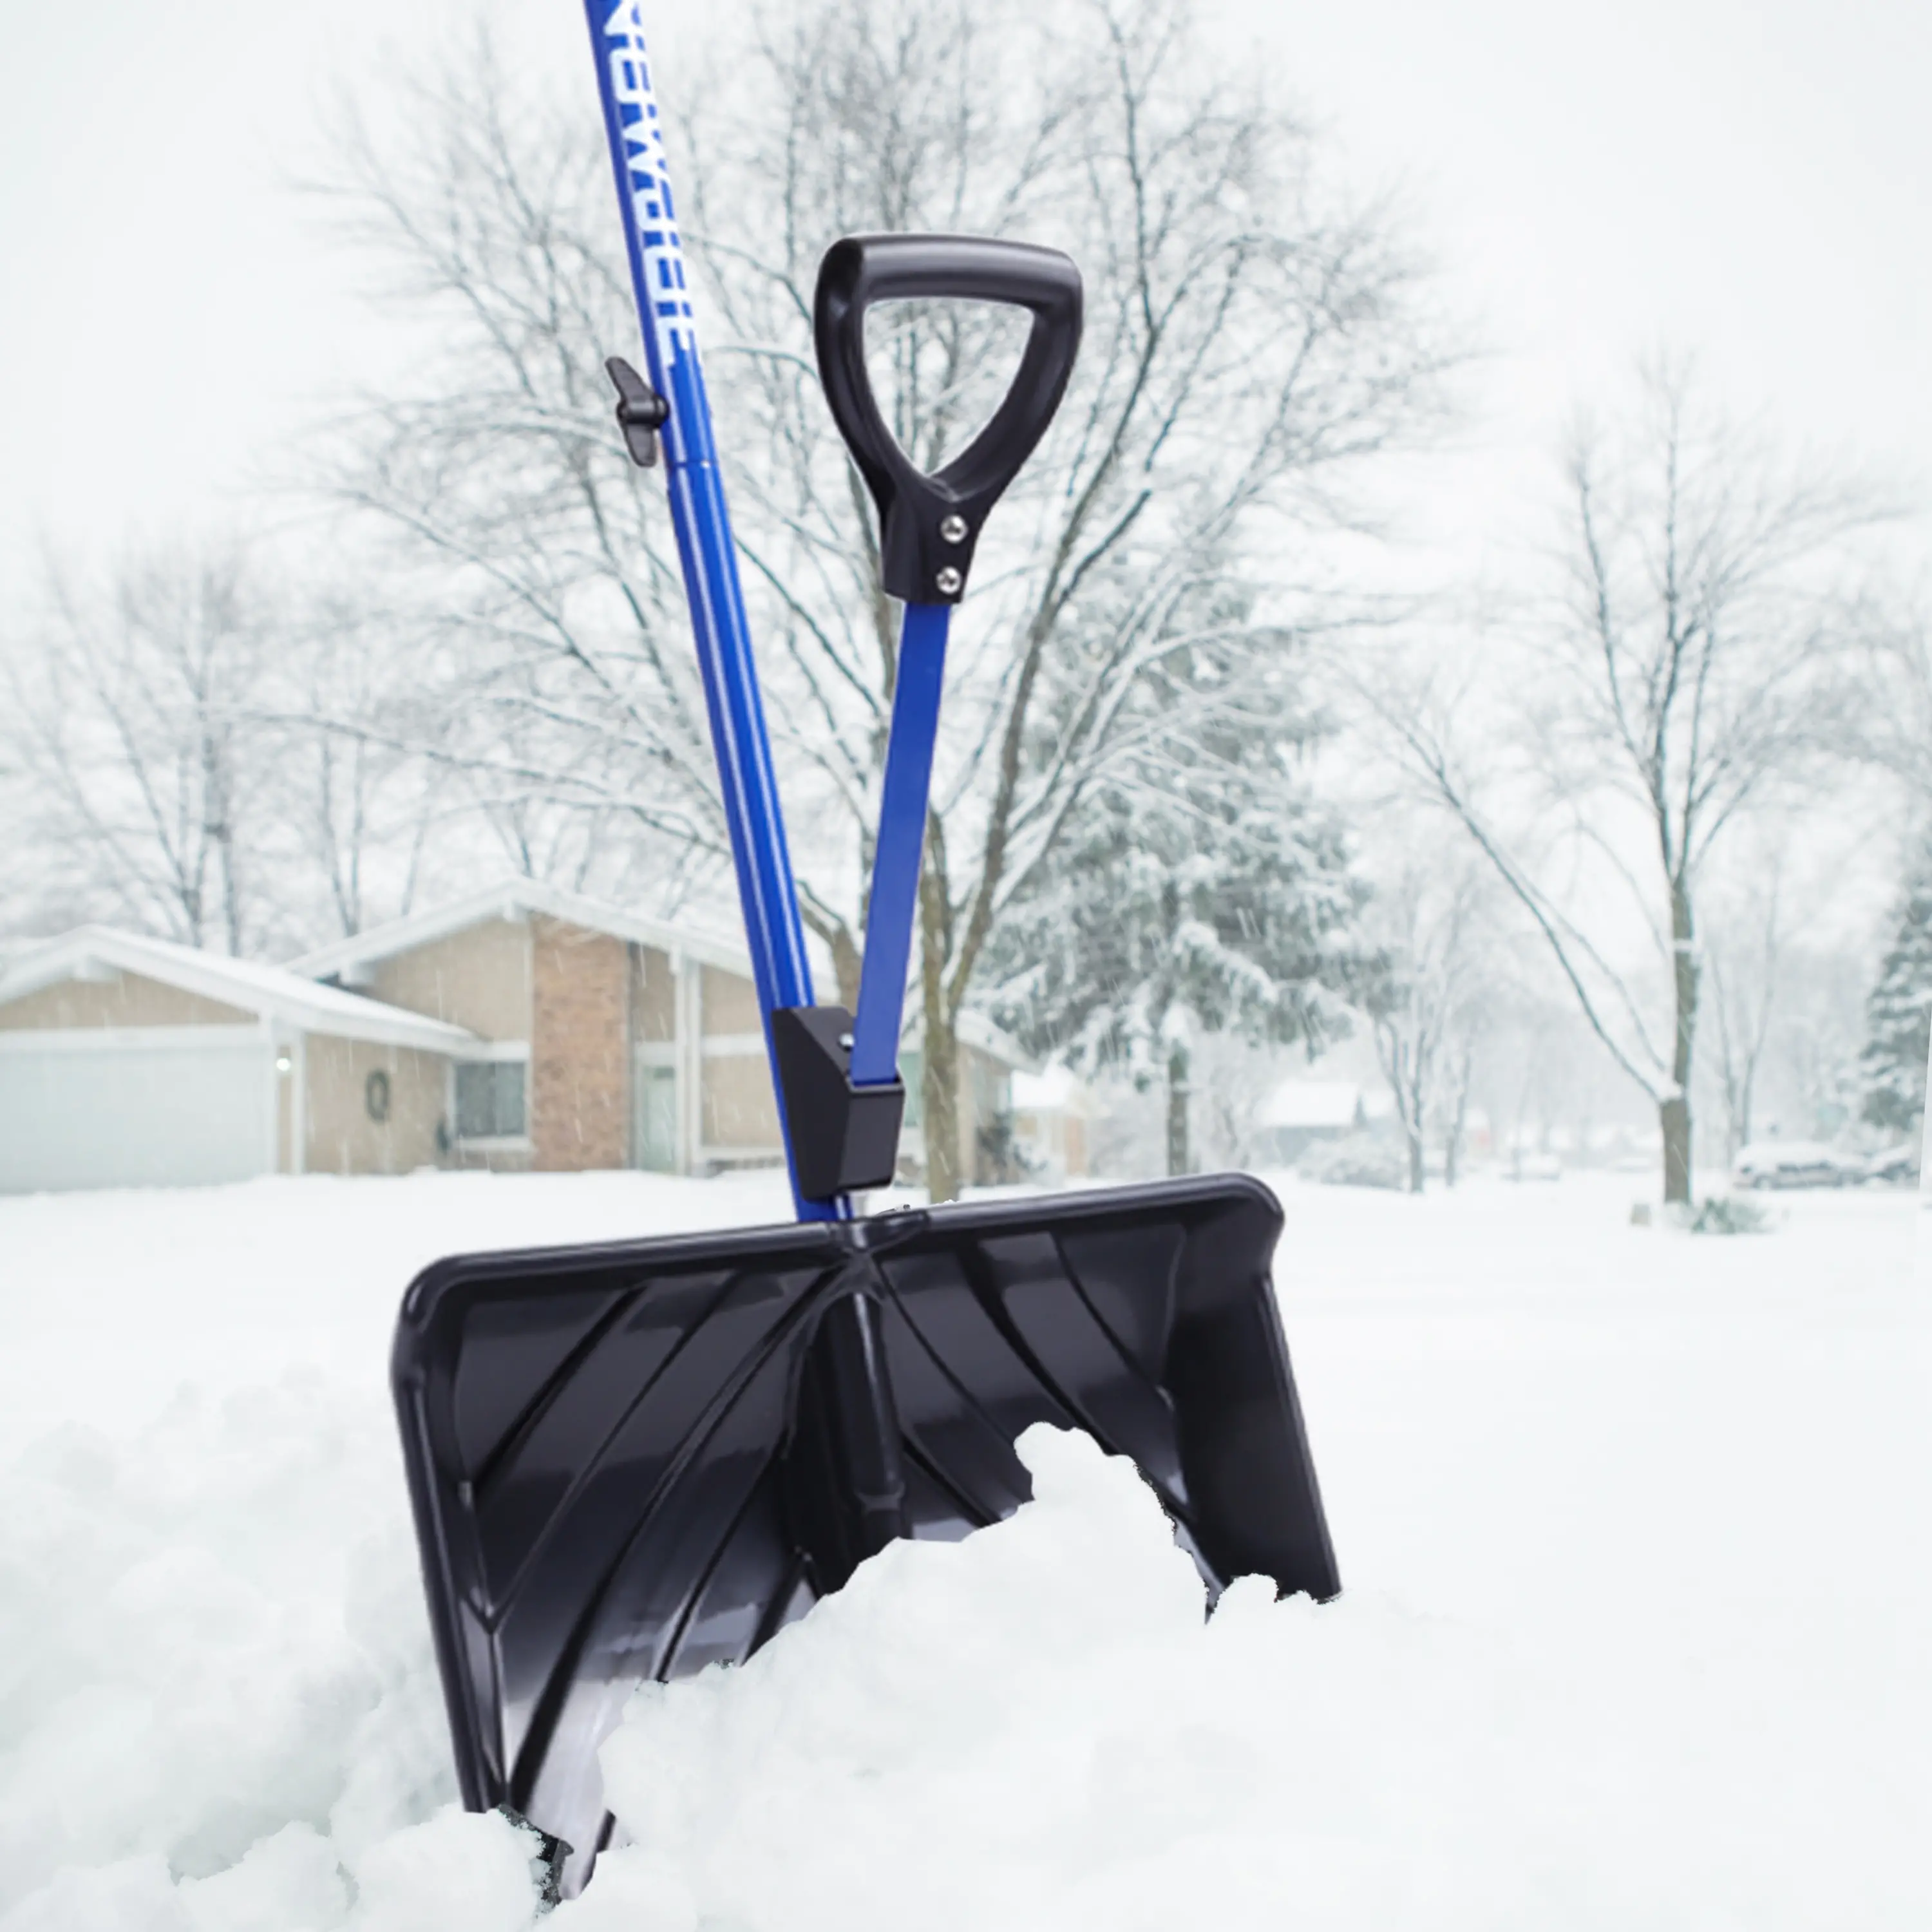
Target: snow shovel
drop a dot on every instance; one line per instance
(628, 1462)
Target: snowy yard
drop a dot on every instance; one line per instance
(1633, 1528)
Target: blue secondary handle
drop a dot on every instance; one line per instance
(703, 524)
(901, 841)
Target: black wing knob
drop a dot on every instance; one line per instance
(641, 412)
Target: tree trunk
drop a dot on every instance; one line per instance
(847, 961)
(1674, 1116)
(1674, 1112)
(1459, 1121)
(218, 829)
(1418, 1171)
(940, 1076)
(1180, 1155)
(944, 1170)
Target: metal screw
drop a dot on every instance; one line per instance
(949, 580)
(953, 530)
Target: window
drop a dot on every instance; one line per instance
(490, 1100)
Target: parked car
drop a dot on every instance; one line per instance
(1794, 1164)
(1893, 1167)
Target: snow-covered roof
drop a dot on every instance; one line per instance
(518, 897)
(1056, 1091)
(1312, 1103)
(273, 992)
(976, 1030)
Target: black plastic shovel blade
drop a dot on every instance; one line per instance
(629, 1462)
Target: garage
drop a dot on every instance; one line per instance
(132, 1062)
(148, 1107)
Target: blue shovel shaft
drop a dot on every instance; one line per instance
(901, 842)
(749, 785)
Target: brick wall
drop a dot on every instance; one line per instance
(580, 1090)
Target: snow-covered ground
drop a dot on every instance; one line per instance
(1634, 1529)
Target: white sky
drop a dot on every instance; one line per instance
(1749, 180)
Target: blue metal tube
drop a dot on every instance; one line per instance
(773, 927)
(901, 841)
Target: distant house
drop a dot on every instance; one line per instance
(1052, 1115)
(1301, 1113)
(520, 1028)
(989, 1062)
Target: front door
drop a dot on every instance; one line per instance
(654, 1126)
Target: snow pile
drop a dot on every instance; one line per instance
(1039, 1728)
(210, 1731)
(455, 1873)
(220, 1707)
(1634, 1631)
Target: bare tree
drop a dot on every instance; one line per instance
(1881, 717)
(1814, 1054)
(1250, 344)
(357, 795)
(200, 747)
(134, 728)
(1428, 1011)
(1673, 691)
(1458, 1084)
(1745, 951)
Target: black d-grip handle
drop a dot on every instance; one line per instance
(928, 525)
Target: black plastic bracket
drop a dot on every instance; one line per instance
(928, 525)
(843, 1138)
(641, 412)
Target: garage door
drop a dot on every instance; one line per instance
(165, 1107)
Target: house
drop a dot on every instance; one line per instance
(1300, 1113)
(604, 1040)
(127, 1061)
(990, 1062)
(520, 1027)
(614, 1040)
(1052, 1114)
